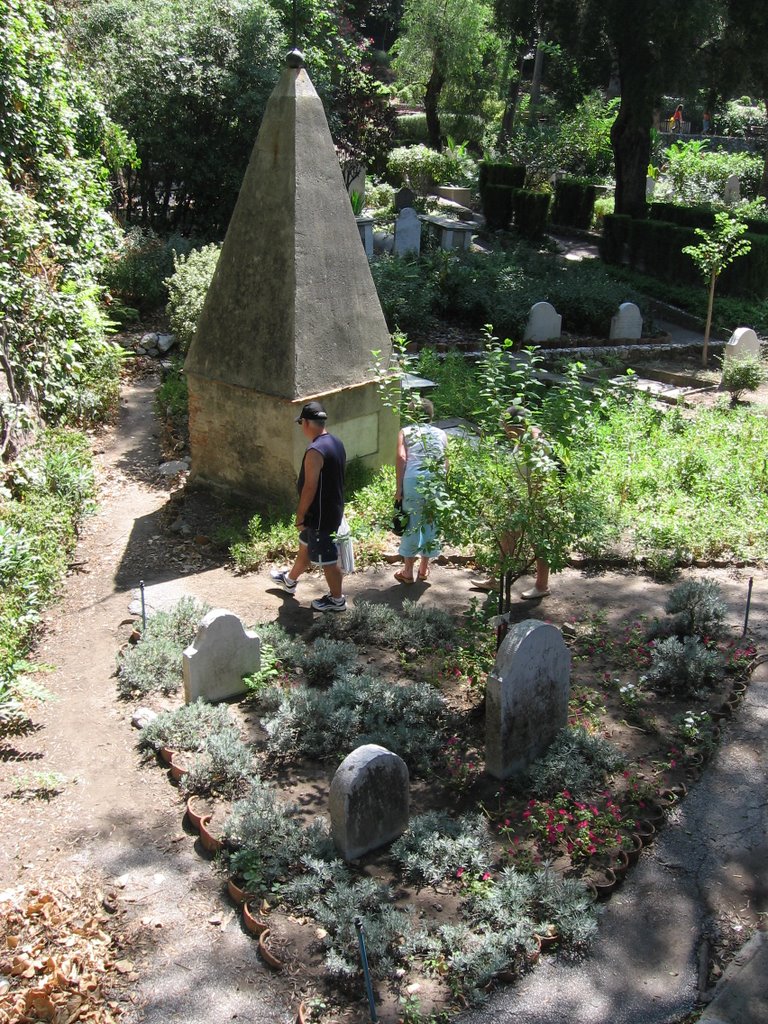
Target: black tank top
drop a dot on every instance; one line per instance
(327, 506)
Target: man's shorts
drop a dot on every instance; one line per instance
(322, 549)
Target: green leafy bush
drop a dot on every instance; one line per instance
(406, 295)
(742, 375)
(137, 274)
(422, 168)
(155, 663)
(187, 288)
(45, 496)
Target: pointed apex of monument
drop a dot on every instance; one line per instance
(294, 58)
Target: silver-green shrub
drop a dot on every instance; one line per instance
(156, 660)
(698, 608)
(436, 845)
(684, 667)
(186, 727)
(321, 725)
(577, 761)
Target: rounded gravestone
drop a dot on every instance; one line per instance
(368, 800)
(526, 697)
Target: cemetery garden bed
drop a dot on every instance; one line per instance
(489, 875)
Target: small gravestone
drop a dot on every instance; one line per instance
(404, 199)
(732, 192)
(742, 344)
(407, 233)
(544, 322)
(368, 800)
(628, 323)
(650, 187)
(222, 653)
(526, 697)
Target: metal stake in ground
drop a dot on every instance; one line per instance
(144, 609)
(366, 972)
(749, 601)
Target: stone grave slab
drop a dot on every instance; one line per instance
(222, 653)
(407, 233)
(544, 322)
(742, 344)
(369, 800)
(526, 697)
(627, 323)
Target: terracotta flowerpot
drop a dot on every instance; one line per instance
(302, 1015)
(196, 811)
(604, 883)
(633, 852)
(646, 830)
(549, 938)
(269, 958)
(238, 893)
(620, 864)
(254, 925)
(167, 754)
(210, 842)
(738, 690)
(532, 955)
(178, 767)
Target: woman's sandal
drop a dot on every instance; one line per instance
(423, 576)
(402, 578)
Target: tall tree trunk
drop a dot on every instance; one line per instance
(538, 71)
(763, 190)
(631, 142)
(510, 109)
(431, 98)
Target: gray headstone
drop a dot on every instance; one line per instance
(544, 322)
(628, 323)
(368, 800)
(404, 199)
(365, 227)
(526, 697)
(732, 192)
(407, 232)
(650, 186)
(222, 653)
(743, 343)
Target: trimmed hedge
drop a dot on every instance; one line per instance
(701, 216)
(529, 212)
(497, 205)
(655, 248)
(499, 172)
(574, 203)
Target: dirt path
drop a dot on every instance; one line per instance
(116, 828)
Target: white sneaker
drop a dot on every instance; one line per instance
(330, 604)
(281, 576)
(533, 593)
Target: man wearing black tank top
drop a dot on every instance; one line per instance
(320, 509)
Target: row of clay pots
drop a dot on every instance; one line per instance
(200, 820)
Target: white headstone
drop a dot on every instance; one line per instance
(743, 343)
(526, 697)
(544, 322)
(732, 192)
(407, 232)
(628, 323)
(368, 800)
(222, 653)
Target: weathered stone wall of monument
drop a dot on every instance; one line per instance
(249, 445)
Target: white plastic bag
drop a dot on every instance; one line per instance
(346, 560)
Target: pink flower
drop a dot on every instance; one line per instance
(459, 872)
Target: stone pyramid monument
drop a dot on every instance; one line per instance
(291, 314)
